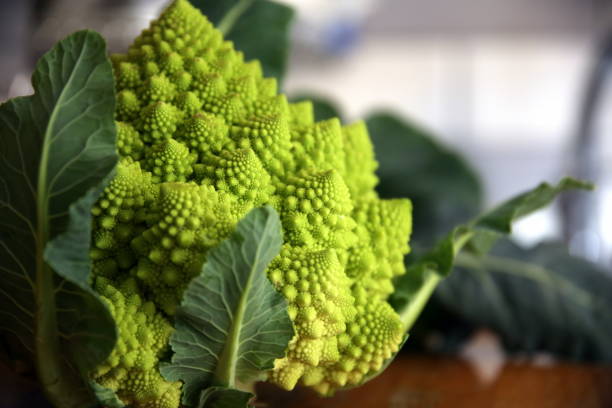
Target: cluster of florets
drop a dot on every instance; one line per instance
(204, 138)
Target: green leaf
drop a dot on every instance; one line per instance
(258, 28)
(106, 397)
(221, 397)
(232, 324)
(216, 10)
(323, 108)
(444, 189)
(57, 151)
(499, 221)
(536, 299)
(415, 287)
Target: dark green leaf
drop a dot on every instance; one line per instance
(415, 287)
(221, 397)
(537, 299)
(107, 398)
(215, 10)
(232, 324)
(444, 189)
(57, 151)
(258, 28)
(323, 108)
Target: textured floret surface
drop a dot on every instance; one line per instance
(203, 138)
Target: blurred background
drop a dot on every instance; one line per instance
(469, 102)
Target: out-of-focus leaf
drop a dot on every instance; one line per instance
(444, 189)
(536, 299)
(232, 324)
(57, 150)
(413, 289)
(215, 10)
(258, 28)
(323, 107)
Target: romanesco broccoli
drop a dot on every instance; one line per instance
(203, 138)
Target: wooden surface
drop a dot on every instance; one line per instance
(424, 382)
(447, 382)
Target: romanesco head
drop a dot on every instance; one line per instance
(204, 138)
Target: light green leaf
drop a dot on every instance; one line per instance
(415, 287)
(232, 324)
(258, 28)
(106, 397)
(57, 151)
(221, 397)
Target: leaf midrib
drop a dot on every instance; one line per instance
(47, 343)
(43, 204)
(225, 372)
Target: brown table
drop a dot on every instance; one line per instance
(449, 382)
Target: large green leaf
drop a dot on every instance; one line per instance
(537, 299)
(477, 236)
(444, 189)
(258, 28)
(232, 324)
(57, 151)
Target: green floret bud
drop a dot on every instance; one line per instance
(182, 80)
(205, 134)
(158, 88)
(171, 62)
(245, 86)
(188, 102)
(315, 209)
(208, 86)
(302, 114)
(127, 75)
(128, 105)
(269, 138)
(239, 173)
(267, 87)
(169, 160)
(383, 229)
(158, 122)
(359, 162)
(129, 143)
(320, 146)
(230, 106)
